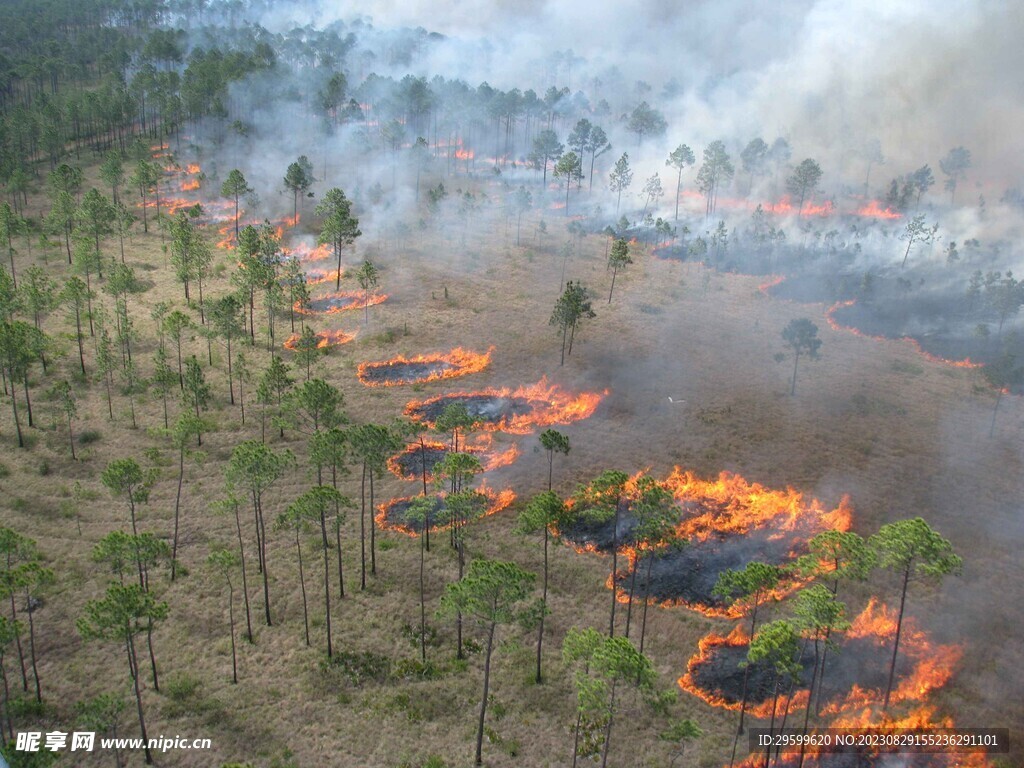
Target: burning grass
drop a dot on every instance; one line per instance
(855, 675)
(422, 368)
(518, 411)
(835, 324)
(325, 339)
(340, 301)
(392, 515)
(416, 460)
(725, 523)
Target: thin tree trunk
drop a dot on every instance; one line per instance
(373, 532)
(17, 420)
(608, 727)
(177, 509)
(896, 642)
(263, 557)
(995, 411)
(807, 711)
(544, 605)
(341, 571)
(423, 597)
(460, 652)
(302, 585)
(632, 591)
(17, 637)
(231, 622)
(615, 569)
(576, 737)
(32, 645)
(483, 701)
(7, 698)
(327, 580)
(362, 527)
(245, 581)
(133, 664)
(152, 655)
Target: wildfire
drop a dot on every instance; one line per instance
(390, 515)
(319, 276)
(303, 252)
(325, 339)
(190, 185)
(875, 211)
(785, 208)
(422, 368)
(731, 504)
(409, 463)
(837, 326)
(517, 412)
(464, 154)
(736, 641)
(932, 665)
(856, 672)
(771, 282)
(727, 523)
(339, 301)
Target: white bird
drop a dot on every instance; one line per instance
(676, 402)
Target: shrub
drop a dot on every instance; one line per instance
(361, 667)
(89, 436)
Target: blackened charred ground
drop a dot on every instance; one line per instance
(417, 460)
(396, 515)
(403, 372)
(601, 536)
(688, 573)
(491, 409)
(856, 661)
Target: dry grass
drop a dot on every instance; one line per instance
(903, 436)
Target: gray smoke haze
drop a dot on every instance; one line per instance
(919, 76)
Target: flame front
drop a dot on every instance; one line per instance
(931, 667)
(459, 362)
(874, 210)
(481, 447)
(345, 300)
(837, 326)
(548, 405)
(496, 502)
(325, 339)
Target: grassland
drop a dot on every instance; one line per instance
(902, 436)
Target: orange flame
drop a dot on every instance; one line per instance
(481, 447)
(770, 283)
(319, 276)
(785, 207)
(303, 252)
(730, 505)
(837, 326)
(458, 362)
(874, 210)
(325, 339)
(931, 668)
(738, 638)
(345, 300)
(496, 502)
(190, 185)
(548, 405)
(933, 664)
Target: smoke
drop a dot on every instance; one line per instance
(829, 75)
